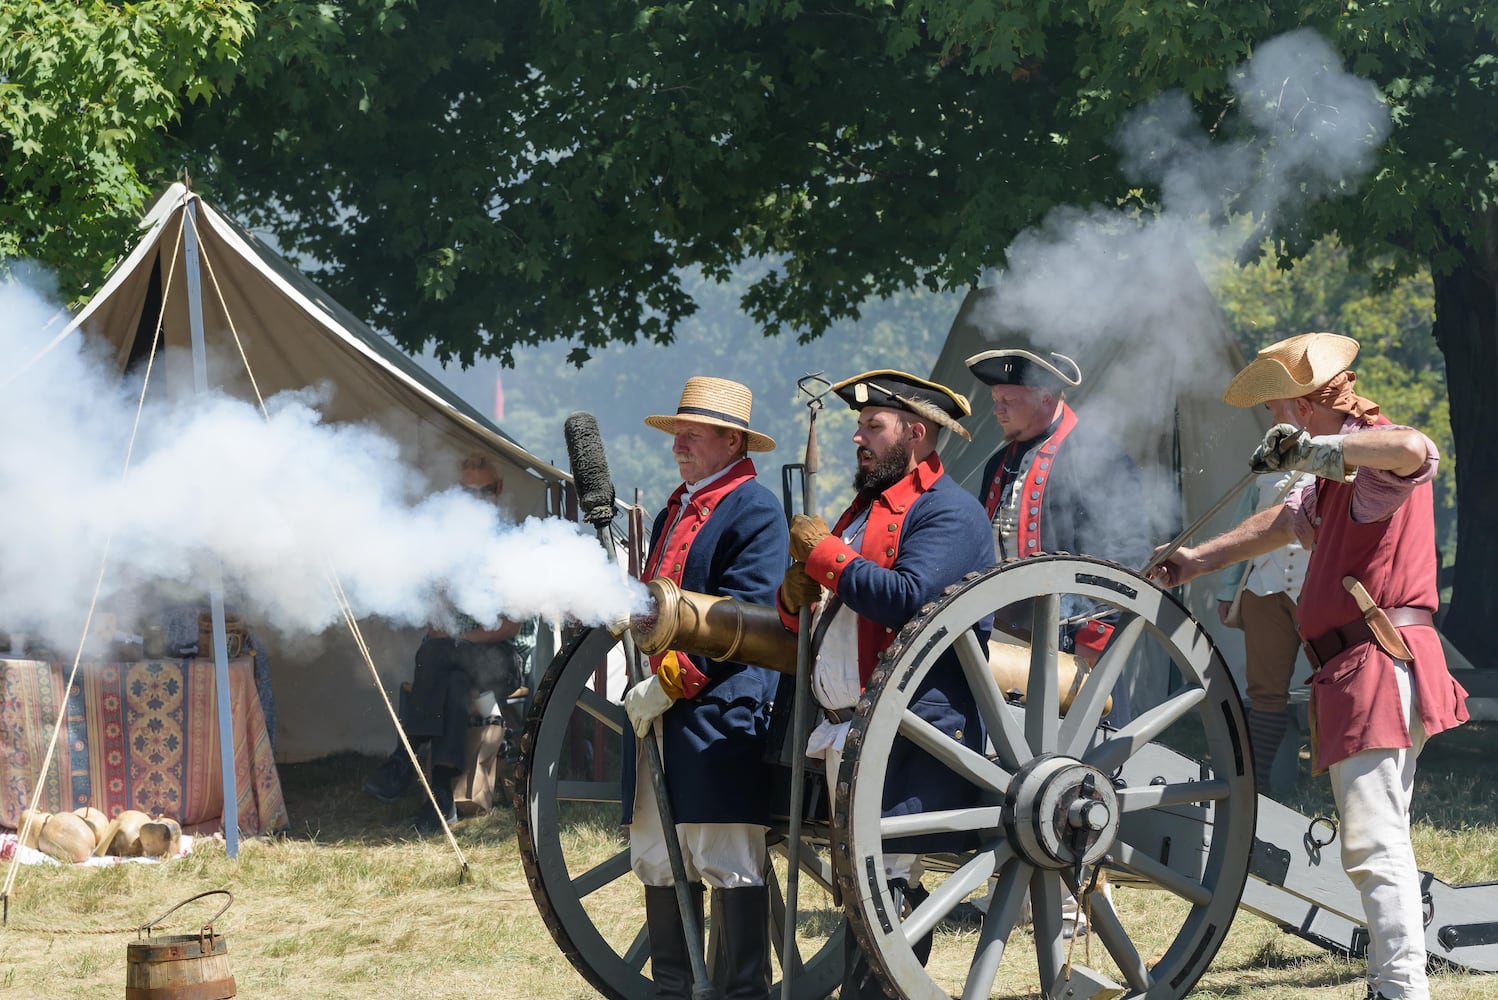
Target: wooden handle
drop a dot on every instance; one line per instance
(1359, 593)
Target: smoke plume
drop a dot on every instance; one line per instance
(161, 503)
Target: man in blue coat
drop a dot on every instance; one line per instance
(721, 533)
(910, 533)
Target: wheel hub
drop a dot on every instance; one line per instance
(1060, 813)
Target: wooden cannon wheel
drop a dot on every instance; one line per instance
(1056, 797)
(576, 856)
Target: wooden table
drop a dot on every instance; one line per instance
(138, 735)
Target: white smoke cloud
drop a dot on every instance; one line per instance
(280, 505)
(1131, 287)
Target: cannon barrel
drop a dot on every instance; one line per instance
(725, 628)
(719, 628)
(1009, 662)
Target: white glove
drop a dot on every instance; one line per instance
(1285, 446)
(645, 701)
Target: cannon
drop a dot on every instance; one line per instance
(1165, 802)
(1052, 806)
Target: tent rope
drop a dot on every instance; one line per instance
(47, 757)
(340, 596)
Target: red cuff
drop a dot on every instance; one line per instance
(692, 679)
(1092, 639)
(827, 561)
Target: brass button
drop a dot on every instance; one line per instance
(892, 527)
(676, 568)
(842, 557)
(889, 552)
(831, 575)
(957, 735)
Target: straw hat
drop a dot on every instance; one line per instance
(1016, 367)
(1291, 368)
(718, 402)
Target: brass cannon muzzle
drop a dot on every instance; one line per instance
(719, 628)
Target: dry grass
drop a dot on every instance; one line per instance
(349, 904)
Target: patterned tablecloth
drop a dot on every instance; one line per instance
(137, 736)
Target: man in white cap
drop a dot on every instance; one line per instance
(910, 533)
(1381, 685)
(721, 533)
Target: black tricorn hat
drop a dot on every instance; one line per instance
(1016, 367)
(903, 391)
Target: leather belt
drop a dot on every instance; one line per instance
(836, 715)
(1322, 649)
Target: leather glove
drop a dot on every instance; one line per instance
(806, 532)
(1287, 447)
(798, 590)
(644, 702)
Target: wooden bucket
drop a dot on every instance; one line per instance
(180, 966)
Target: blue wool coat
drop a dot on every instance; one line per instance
(714, 740)
(941, 534)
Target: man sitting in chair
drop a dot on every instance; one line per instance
(455, 661)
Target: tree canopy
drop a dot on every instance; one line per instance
(87, 89)
(479, 175)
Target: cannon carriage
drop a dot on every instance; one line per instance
(1058, 799)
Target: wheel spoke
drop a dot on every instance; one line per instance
(1179, 794)
(1103, 921)
(1003, 729)
(601, 874)
(813, 864)
(610, 713)
(1042, 699)
(998, 924)
(588, 791)
(791, 965)
(941, 821)
(1109, 754)
(1045, 901)
(1127, 857)
(1087, 708)
(956, 887)
(639, 950)
(970, 764)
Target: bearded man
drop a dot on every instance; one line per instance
(910, 533)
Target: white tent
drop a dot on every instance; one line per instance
(1156, 386)
(294, 336)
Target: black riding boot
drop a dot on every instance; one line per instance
(859, 981)
(746, 934)
(670, 962)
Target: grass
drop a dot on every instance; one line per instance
(349, 904)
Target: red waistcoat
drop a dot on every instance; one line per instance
(1354, 696)
(668, 556)
(879, 545)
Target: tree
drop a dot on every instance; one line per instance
(86, 90)
(482, 175)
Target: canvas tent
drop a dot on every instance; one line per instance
(295, 336)
(1155, 382)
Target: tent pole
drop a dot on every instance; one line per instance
(230, 815)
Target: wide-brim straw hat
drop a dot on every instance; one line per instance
(1291, 368)
(718, 402)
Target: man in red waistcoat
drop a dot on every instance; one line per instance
(910, 533)
(721, 533)
(1380, 685)
(1058, 484)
